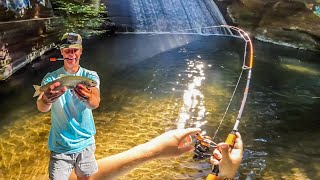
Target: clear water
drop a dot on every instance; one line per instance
(154, 83)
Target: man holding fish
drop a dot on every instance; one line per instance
(71, 93)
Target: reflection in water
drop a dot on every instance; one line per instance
(293, 64)
(301, 69)
(146, 91)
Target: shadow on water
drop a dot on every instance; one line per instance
(150, 83)
(18, 89)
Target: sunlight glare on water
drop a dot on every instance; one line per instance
(193, 100)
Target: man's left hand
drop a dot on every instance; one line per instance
(83, 92)
(169, 143)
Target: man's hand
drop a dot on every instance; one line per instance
(52, 94)
(228, 159)
(169, 144)
(83, 92)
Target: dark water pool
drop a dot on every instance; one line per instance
(153, 83)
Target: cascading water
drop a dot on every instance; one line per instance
(174, 15)
(188, 16)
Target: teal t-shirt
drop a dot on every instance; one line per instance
(72, 125)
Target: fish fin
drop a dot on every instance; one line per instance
(37, 90)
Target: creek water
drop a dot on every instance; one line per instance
(153, 83)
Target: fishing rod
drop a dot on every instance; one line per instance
(204, 144)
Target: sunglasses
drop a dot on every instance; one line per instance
(70, 50)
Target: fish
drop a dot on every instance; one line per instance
(65, 81)
(301, 69)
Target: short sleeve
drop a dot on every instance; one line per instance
(47, 79)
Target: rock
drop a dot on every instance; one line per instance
(286, 22)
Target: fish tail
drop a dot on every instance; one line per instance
(37, 90)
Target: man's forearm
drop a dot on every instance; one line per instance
(114, 166)
(94, 101)
(42, 105)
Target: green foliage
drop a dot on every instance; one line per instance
(84, 18)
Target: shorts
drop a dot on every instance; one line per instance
(84, 163)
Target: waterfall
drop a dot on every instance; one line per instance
(174, 15)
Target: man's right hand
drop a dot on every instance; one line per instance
(228, 159)
(51, 95)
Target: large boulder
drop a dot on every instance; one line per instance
(294, 23)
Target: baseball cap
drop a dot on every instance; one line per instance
(71, 40)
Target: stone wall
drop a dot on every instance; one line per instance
(27, 31)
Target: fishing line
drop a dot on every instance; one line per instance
(232, 136)
(229, 104)
(244, 67)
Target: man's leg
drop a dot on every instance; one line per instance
(86, 165)
(60, 166)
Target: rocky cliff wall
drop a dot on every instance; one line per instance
(294, 23)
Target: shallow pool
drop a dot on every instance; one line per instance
(153, 83)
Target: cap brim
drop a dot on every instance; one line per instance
(71, 46)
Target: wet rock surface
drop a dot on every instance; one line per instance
(26, 33)
(293, 23)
